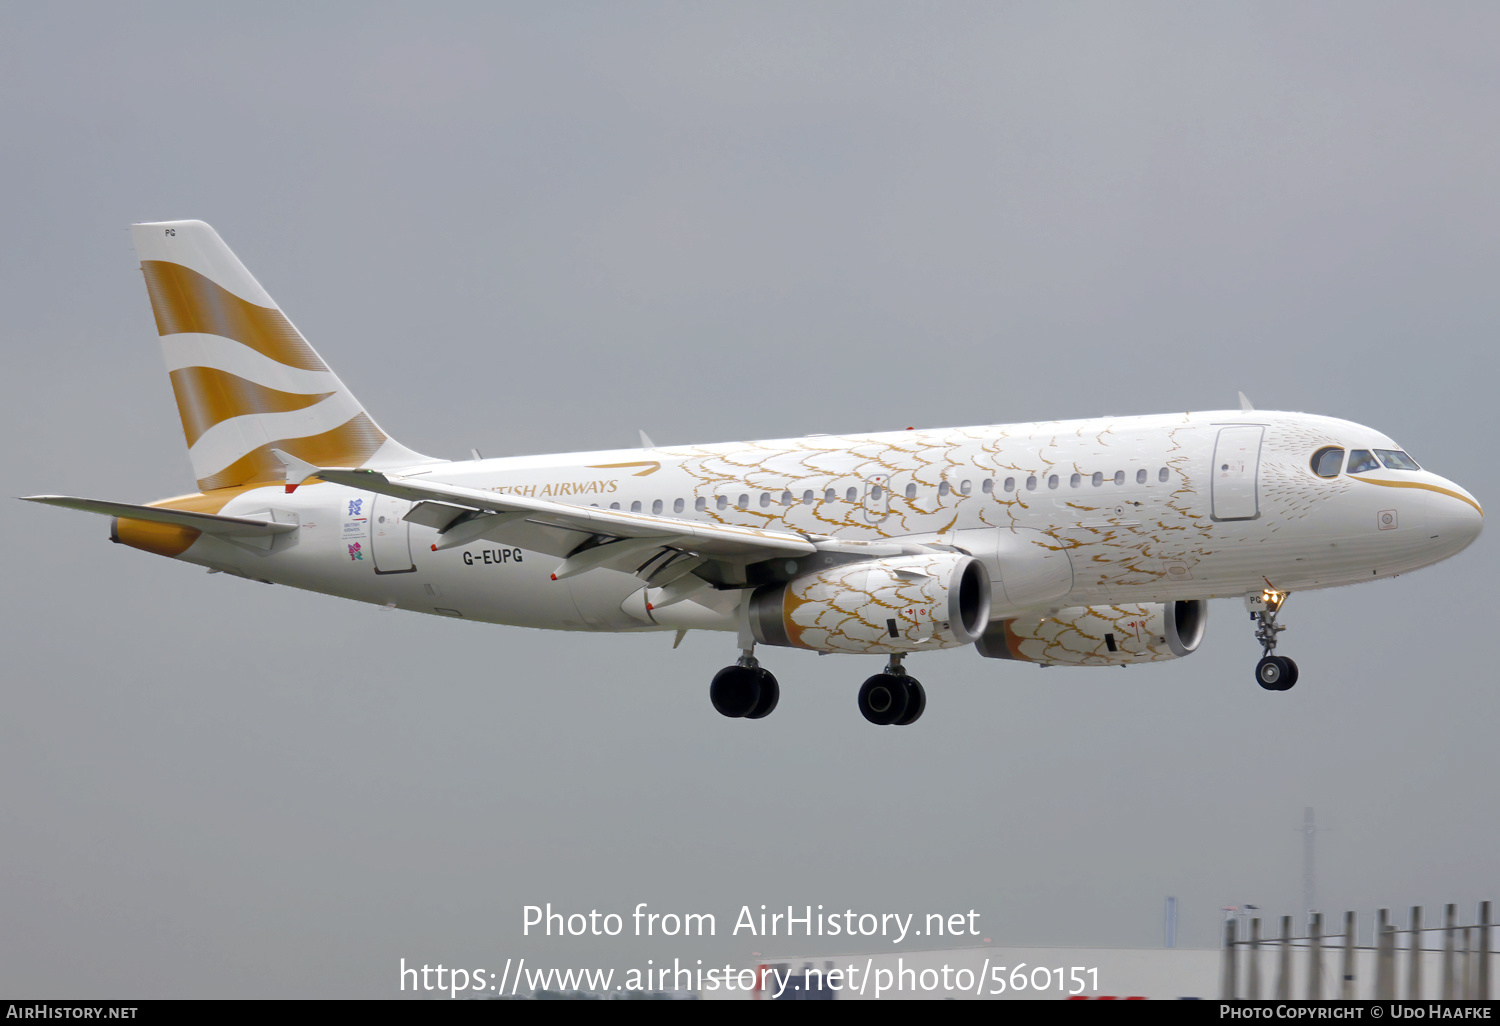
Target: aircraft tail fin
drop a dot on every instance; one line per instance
(245, 379)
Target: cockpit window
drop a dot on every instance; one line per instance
(1360, 460)
(1326, 462)
(1395, 459)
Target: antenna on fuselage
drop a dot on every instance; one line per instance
(1245, 406)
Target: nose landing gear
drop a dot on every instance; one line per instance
(1273, 672)
(746, 689)
(891, 697)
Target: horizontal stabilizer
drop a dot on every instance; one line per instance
(208, 523)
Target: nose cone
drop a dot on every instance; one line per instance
(1453, 515)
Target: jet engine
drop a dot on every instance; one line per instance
(1137, 632)
(898, 604)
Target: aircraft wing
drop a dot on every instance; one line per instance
(465, 514)
(209, 523)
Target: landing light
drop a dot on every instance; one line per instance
(1268, 600)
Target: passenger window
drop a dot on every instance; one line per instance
(614, 505)
(1010, 484)
(1327, 461)
(744, 501)
(1052, 481)
(1395, 459)
(807, 497)
(1119, 477)
(943, 488)
(830, 495)
(787, 500)
(963, 488)
(1161, 475)
(1140, 477)
(988, 487)
(852, 495)
(635, 507)
(677, 505)
(911, 490)
(876, 493)
(700, 504)
(1031, 483)
(722, 501)
(1075, 480)
(1360, 460)
(656, 506)
(765, 499)
(1098, 479)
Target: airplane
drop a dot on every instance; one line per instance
(1071, 543)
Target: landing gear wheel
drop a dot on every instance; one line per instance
(1276, 673)
(1291, 674)
(770, 694)
(916, 702)
(736, 690)
(883, 698)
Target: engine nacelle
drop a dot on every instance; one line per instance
(899, 604)
(1136, 632)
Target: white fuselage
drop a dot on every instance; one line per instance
(1147, 509)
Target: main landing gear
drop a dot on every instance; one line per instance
(748, 691)
(1273, 672)
(892, 697)
(745, 689)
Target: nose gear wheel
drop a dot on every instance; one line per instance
(1276, 673)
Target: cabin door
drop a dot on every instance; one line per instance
(1235, 468)
(390, 536)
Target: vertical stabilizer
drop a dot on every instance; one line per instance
(245, 379)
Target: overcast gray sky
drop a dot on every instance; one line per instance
(539, 227)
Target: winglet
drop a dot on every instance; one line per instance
(646, 442)
(297, 471)
(1245, 406)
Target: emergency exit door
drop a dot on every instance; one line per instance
(1235, 469)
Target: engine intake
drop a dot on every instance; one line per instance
(899, 604)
